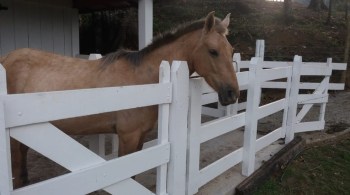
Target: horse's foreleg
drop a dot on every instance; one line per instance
(19, 163)
(129, 143)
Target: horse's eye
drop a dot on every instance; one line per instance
(213, 52)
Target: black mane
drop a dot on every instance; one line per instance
(135, 57)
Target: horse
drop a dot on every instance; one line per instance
(202, 43)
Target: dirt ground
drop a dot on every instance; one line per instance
(337, 119)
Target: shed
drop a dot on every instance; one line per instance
(53, 25)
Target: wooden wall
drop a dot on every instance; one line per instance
(47, 25)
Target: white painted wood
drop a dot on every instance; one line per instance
(302, 113)
(47, 30)
(163, 128)
(209, 98)
(268, 139)
(236, 61)
(212, 112)
(260, 49)
(7, 34)
(194, 131)
(250, 131)
(276, 64)
(282, 85)
(86, 180)
(271, 108)
(145, 12)
(312, 98)
(22, 109)
(5, 151)
(55, 145)
(274, 85)
(206, 88)
(272, 74)
(176, 181)
(213, 129)
(335, 66)
(97, 144)
(34, 27)
(58, 31)
(218, 167)
(313, 71)
(21, 24)
(94, 56)
(286, 105)
(243, 79)
(292, 104)
(128, 186)
(309, 126)
(150, 144)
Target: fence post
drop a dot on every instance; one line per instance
(260, 49)
(178, 128)
(323, 105)
(237, 61)
(293, 99)
(194, 124)
(5, 151)
(163, 127)
(286, 97)
(250, 132)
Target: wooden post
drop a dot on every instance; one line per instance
(145, 22)
(250, 132)
(5, 152)
(176, 180)
(163, 128)
(329, 73)
(260, 49)
(293, 99)
(194, 124)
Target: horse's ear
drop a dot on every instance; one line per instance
(226, 21)
(209, 22)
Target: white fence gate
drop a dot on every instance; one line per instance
(177, 152)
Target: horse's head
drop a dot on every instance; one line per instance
(212, 59)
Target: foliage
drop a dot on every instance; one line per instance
(318, 170)
(306, 34)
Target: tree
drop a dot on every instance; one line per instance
(345, 77)
(330, 9)
(287, 10)
(347, 9)
(317, 5)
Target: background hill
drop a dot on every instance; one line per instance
(306, 34)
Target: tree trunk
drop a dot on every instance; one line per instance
(317, 5)
(287, 10)
(345, 77)
(347, 9)
(330, 8)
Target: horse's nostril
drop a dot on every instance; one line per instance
(231, 94)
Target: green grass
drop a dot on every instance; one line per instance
(318, 170)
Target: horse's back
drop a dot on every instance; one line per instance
(30, 70)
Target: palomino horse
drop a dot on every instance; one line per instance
(202, 44)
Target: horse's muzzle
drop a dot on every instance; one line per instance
(228, 95)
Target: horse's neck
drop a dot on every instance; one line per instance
(180, 49)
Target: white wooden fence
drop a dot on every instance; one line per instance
(177, 152)
(25, 117)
